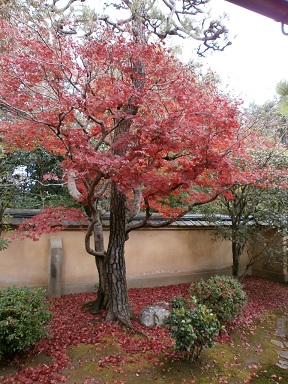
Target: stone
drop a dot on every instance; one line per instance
(280, 327)
(282, 364)
(283, 354)
(154, 314)
(278, 343)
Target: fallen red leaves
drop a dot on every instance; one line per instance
(72, 326)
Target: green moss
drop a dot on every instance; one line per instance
(82, 351)
(85, 360)
(270, 373)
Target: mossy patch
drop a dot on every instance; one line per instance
(270, 373)
(83, 351)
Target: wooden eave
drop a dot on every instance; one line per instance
(274, 9)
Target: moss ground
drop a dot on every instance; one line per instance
(248, 355)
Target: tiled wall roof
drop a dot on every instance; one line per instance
(197, 220)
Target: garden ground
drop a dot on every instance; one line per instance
(83, 348)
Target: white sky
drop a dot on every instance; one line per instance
(258, 57)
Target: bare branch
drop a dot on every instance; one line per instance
(167, 221)
(72, 188)
(66, 6)
(91, 227)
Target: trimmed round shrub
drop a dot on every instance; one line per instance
(24, 315)
(193, 328)
(224, 295)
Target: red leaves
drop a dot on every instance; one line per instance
(75, 92)
(179, 131)
(50, 220)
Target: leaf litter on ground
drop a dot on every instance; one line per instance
(84, 348)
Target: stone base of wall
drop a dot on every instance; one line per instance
(151, 281)
(79, 288)
(281, 277)
(158, 280)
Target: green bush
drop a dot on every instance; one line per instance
(194, 329)
(23, 316)
(224, 295)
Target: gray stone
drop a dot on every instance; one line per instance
(280, 327)
(154, 314)
(282, 364)
(283, 354)
(278, 343)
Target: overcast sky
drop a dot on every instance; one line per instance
(258, 58)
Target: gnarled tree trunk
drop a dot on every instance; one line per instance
(102, 299)
(119, 308)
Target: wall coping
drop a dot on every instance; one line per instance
(17, 216)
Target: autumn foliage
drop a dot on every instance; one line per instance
(70, 95)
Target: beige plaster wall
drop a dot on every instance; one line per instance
(25, 262)
(173, 252)
(153, 257)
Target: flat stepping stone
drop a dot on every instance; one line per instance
(283, 354)
(280, 327)
(278, 343)
(280, 331)
(282, 364)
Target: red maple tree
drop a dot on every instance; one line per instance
(135, 127)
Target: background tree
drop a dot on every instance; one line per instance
(252, 212)
(267, 120)
(282, 90)
(162, 18)
(158, 18)
(253, 208)
(29, 180)
(7, 192)
(39, 177)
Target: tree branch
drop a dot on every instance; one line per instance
(134, 205)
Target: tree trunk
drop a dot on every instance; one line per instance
(102, 299)
(119, 308)
(2, 209)
(237, 250)
(236, 257)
